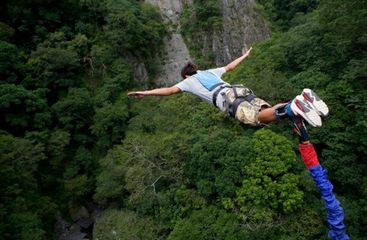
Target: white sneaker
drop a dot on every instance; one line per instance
(318, 105)
(302, 108)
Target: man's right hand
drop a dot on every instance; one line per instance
(139, 94)
(247, 52)
(166, 91)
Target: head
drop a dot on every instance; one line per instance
(188, 70)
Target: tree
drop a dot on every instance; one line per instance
(110, 122)
(215, 165)
(118, 79)
(115, 224)
(111, 179)
(207, 223)
(268, 188)
(12, 63)
(54, 68)
(22, 109)
(75, 111)
(284, 13)
(25, 212)
(134, 28)
(5, 31)
(135, 31)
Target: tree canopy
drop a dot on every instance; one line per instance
(175, 167)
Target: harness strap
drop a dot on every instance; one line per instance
(235, 92)
(215, 94)
(215, 85)
(233, 107)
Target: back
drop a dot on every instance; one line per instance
(203, 84)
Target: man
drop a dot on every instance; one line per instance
(240, 102)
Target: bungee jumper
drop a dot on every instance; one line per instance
(241, 103)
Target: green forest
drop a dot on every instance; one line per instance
(175, 167)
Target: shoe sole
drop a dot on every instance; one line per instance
(319, 106)
(304, 110)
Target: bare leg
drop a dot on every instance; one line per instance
(267, 115)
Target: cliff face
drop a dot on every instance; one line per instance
(176, 51)
(242, 27)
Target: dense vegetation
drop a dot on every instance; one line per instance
(174, 168)
(65, 67)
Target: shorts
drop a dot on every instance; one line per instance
(247, 112)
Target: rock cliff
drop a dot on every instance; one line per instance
(176, 51)
(242, 27)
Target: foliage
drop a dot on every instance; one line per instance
(75, 111)
(5, 31)
(26, 226)
(120, 77)
(12, 66)
(321, 53)
(269, 188)
(174, 167)
(215, 166)
(54, 67)
(115, 224)
(110, 181)
(22, 109)
(207, 223)
(136, 28)
(22, 208)
(286, 14)
(63, 88)
(19, 161)
(177, 204)
(110, 123)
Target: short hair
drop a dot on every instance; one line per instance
(188, 70)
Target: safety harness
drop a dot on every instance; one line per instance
(231, 106)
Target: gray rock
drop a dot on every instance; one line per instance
(76, 235)
(85, 222)
(79, 213)
(177, 54)
(242, 27)
(61, 227)
(140, 73)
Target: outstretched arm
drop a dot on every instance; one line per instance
(234, 64)
(156, 92)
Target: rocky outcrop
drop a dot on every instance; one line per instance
(170, 9)
(175, 48)
(81, 225)
(242, 27)
(140, 72)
